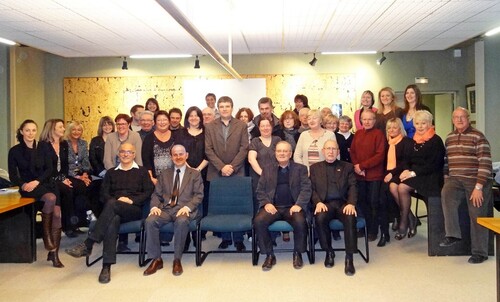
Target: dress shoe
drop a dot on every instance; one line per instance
(372, 237)
(79, 250)
(155, 265)
(122, 247)
(240, 247)
(105, 275)
(336, 235)
(286, 236)
(225, 244)
(349, 267)
(449, 241)
(177, 268)
(268, 263)
(71, 234)
(297, 260)
(330, 259)
(476, 259)
(384, 239)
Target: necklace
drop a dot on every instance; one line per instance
(417, 147)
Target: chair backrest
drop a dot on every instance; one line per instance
(230, 195)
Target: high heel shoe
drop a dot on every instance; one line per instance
(413, 227)
(399, 236)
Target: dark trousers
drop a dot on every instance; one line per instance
(263, 220)
(108, 224)
(323, 230)
(72, 203)
(369, 203)
(388, 208)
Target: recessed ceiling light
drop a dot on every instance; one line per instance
(159, 56)
(367, 52)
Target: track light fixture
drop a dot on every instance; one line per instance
(197, 63)
(124, 64)
(381, 60)
(314, 60)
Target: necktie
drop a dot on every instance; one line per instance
(175, 190)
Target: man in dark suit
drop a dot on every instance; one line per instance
(334, 195)
(226, 147)
(175, 199)
(283, 193)
(124, 190)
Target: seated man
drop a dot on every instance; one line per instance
(124, 190)
(334, 196)
(283, 193)
(177, 195)
(468, 178)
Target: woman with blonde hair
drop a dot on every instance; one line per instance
(387, 108)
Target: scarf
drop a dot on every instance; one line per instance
(391, 155)
(420, 139)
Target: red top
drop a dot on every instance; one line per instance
(368, 150)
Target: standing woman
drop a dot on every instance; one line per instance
(387, 108)
(300, 101)
(289, 130)
(246, 115)
(96, 152)
(30, 171)
(152, 105)
(122, 135)
(413, 102)
(397, 159)
(156, 147)
(367, 101)
(423, 174)
(344, 137)
(310, 143)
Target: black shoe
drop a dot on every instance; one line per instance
(268, 263)
(476, 259)
(449, 241)
(336, 235)
(105, 275)
(372, 237)
(330, 259)
(399, 236)
(240, 247)
(349, 267)
(71, 234)
(225, 244)
(384, 238)
(164, 243)
(297, 260)
(122, 247)
(79, 250)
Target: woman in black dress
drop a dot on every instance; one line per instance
(27, 169)
(424, 172)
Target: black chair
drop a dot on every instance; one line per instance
(136, 226)
(337, 225)
(230, 209)
(283, 226)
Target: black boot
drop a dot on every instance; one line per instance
(384, 239)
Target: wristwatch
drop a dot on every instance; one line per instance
(478, 188)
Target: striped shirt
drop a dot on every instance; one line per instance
(468, 155)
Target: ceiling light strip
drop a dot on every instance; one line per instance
(8, 42)
(183, 21)
(368, 52)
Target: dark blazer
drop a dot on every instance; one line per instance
(231, 152)
(344, 178)
(45, 150)
(300, 185)
(96, 155)
(190, 190)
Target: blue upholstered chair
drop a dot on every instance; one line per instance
(336, 225)
(283, 226)
(230, 209)
(136, 226)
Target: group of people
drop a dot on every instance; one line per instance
(305, 164)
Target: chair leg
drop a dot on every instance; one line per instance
(198, 246)
(312, 251)
(255, 255)
(142, 247)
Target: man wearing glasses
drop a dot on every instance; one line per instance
(334, 195)
(124, 190)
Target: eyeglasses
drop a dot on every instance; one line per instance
(122, 124)
(126, 152)
(459, 118)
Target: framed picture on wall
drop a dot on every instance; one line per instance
(470, 91)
